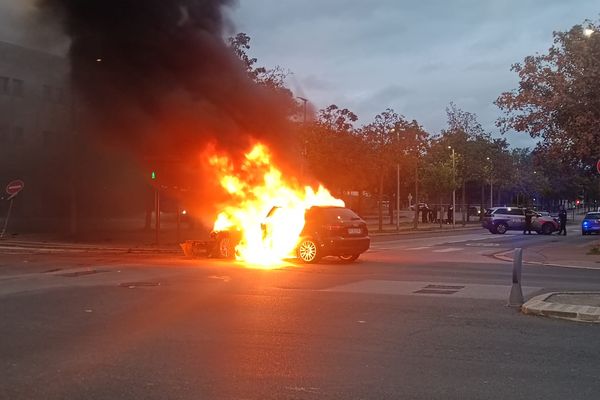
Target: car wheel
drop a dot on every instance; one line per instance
(501, 228)
(547, 229)
(492, 231)
(584, 233)
(225, 248)
(308, 251)
(349, 258)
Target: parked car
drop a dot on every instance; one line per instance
(590, 223)
(328, 231)
(502, 219)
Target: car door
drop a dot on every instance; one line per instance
(517, 218)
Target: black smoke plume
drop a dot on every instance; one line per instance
(157, 77)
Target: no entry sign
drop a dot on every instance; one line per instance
(15, 187)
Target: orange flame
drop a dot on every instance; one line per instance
(255, 188)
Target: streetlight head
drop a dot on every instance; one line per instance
(449, 147)
(587, 32)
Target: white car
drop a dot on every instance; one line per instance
(502, 219)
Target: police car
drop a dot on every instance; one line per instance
(502, 219)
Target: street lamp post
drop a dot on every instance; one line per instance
(453, 188)
(491, 183)
(397, 185)
(303, 100)
(304, 150)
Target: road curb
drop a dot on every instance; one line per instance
(502, 257)
(540, 306)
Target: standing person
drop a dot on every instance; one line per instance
(450, 209)
(562, 218)
(528, 217)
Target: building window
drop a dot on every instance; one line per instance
(18, 135)
(17, 87)
(4, 85)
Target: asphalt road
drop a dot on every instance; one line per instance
(418, 317)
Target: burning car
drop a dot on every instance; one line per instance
(327, 231)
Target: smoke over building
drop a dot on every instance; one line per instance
(158, 77)
(149, 84)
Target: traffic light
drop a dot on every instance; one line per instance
(153, 175)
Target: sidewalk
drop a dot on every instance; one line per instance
(408, 228)
(553, 256)
(133, 240)
(573, 306)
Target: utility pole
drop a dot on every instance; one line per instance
(416, 222)
(304, 150)
(397, 183)
(491, 184)
(453, 188)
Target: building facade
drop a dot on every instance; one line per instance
(36, 127)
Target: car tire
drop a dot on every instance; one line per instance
(547, 228)
(501, 228)
(308, 251)
(492, 231)
(348, 258)
(225, 248)
(584, 232)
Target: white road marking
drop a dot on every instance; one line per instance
(448, 250)
(483, 244)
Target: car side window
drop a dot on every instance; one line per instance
(515, 211)
(501, 211)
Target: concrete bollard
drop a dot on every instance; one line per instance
(516, 293)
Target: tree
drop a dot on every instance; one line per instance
(438, 172)
(476, 152)
(334, 151)
(274, 77)
(558, 98)
(391, 141)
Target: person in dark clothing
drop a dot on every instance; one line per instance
(450, 214)
(424, 214)
(562, 218)
(528, 218)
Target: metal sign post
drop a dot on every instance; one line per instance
(157, 216)
(12, 189)
(7, 218)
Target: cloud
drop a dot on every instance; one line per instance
(415, 57)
